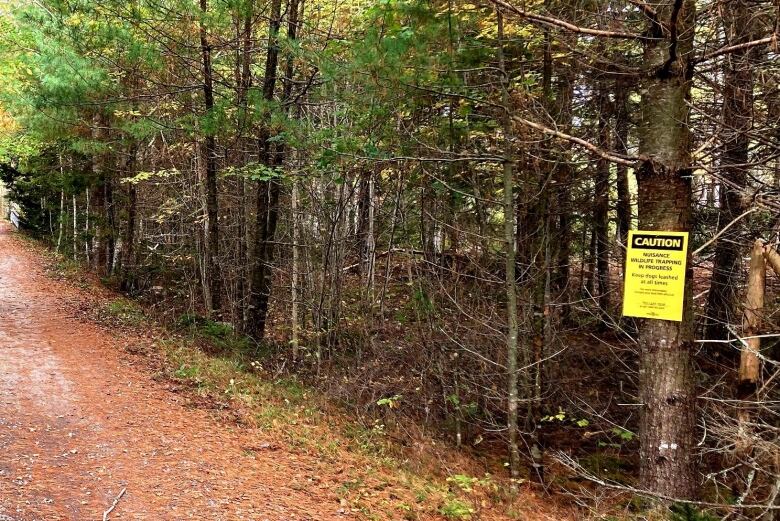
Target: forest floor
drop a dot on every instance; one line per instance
(83, 418)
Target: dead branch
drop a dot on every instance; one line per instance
(114, 504)
(562, 24)
(739, 47)
(623, 160)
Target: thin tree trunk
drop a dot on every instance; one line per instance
(590, 281)
(128, 260)
(295, 267)
(510, 278)
(210, 149)
(749, 364)
(563, 180)
(75, 229)
(243, 82)
(361, 232)
(370, 254)
(110, 227)
(268, 190)
(87, 241)
(98, 202)
(601, 207)
(737, 122)
(427, 224)
(62, 220)
(621, 148)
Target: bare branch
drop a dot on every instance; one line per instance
(623, 160)
(739, 47)
(723, 230)
(562, 24)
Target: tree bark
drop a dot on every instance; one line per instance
(510, 278)
(601, 200)
(749, 363)
(98, 201)
(128, 255)
(294, 291)
(244, 32)
(621, 147)
(267, 190)
(75, 229)
(61, 219)
(210, 149)
(667, 391)
(737, 121)
(427, 223)
(563, 183)
(110, 232)
(127, 264)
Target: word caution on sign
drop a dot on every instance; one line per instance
(655, 275)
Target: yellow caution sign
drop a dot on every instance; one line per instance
(655, 275)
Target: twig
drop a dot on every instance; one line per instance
(562, 24)
(569, 462)
(729, 225)
(114, 504)
(623, 160)
(739, 47)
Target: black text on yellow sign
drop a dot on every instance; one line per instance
(655, 275)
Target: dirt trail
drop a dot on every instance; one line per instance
(79, 422)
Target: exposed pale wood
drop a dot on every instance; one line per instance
(751, 319)
(749, 363)
(114, 504)
(772, 258)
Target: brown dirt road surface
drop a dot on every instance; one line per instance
(79, 422)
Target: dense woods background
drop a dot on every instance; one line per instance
(421, 207)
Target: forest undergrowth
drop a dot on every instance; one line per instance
(387, 465)
(398, 461)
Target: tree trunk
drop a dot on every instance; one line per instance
(210, 149)
(364, 204)
(427, 223)
(96, 200)
(244, 33)
(563, 183)
(737, 121)
(61, 219)
(773, 259)
(128, 255)
(601, 200)
(590, 279)
(89, 242)
(621, 147)
(667, 391)
(75, 229)
(510, 278)
(110, 226)
(749, 364)
(295, 268)
(267, 193)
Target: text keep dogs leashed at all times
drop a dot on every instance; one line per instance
(655, 275)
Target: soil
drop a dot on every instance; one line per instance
(81, 421)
